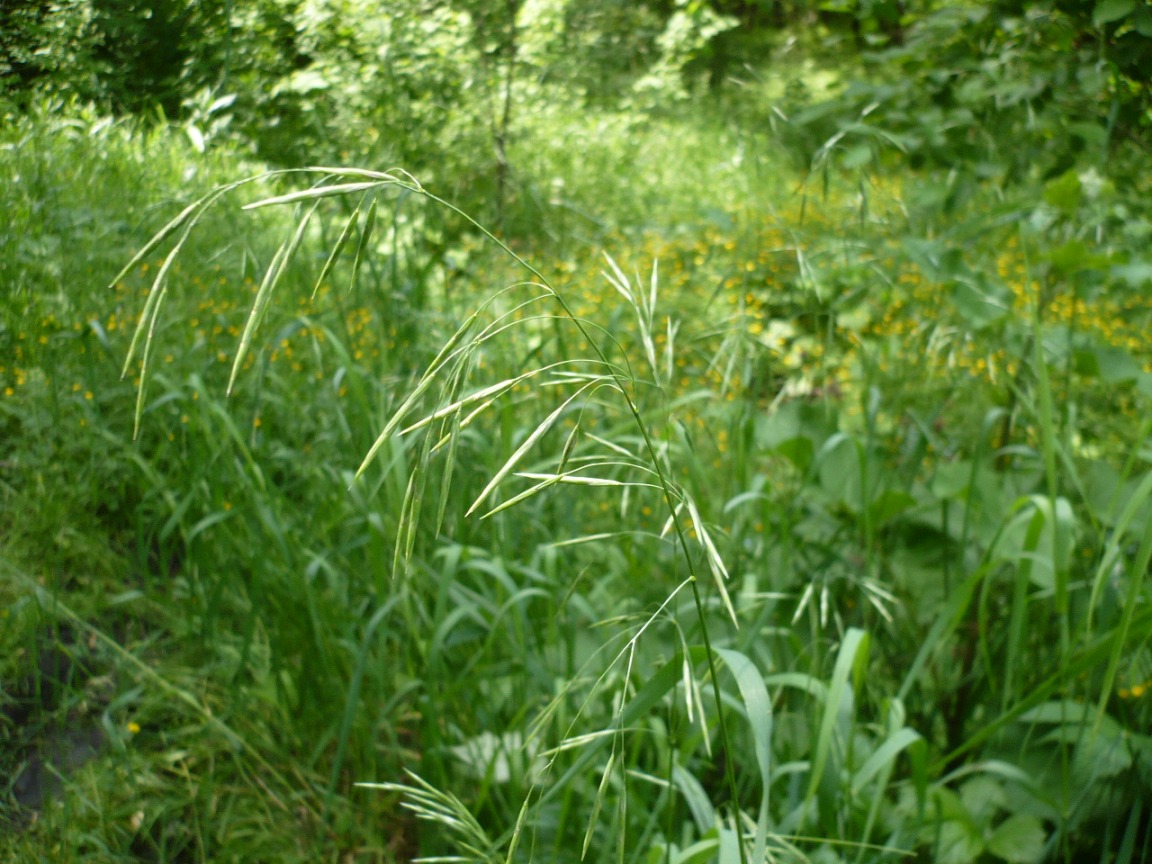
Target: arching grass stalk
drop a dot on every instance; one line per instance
(665, 485)
(332, 182)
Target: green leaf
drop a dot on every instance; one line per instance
(850, 663)
(977, 306)
(695, 797)
(856, 157)
(1064, 193)
(1110, 365)
(792, 421)
(983, 797)
(1107, 11)
(1142, 21)
(1018, 839)
(813, 686)
(1100, 756)
(960, 843)
(1073, 257)
(952, 479)
(798, 451)
(1134, 274)
(758, 707)
(890, 504)
(697, 853)
(1115, 365)
(884, 756)
(1063, 711)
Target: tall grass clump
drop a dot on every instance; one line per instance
(630, 741)
(598, 398)
(146, 583)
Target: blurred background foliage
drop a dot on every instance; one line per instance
(434, 86)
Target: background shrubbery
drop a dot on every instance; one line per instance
(814, 374)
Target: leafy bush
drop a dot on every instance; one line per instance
(1009, 91)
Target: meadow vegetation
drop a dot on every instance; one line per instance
(680, 458)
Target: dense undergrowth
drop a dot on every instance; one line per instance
(895, 438)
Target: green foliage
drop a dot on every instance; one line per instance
(807, 524)
(1009, 91)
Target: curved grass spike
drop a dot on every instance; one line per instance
(365, 239)
(184, 222)
(260, 305)
(337, 248)
(148, 319)
(362, 180)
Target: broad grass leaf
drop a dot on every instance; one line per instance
(1062, 711)
(695, 797)
(702, 852)
(801, 681)
(758, 709)
(850, 663)
(1136, 573)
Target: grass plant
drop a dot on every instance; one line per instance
(814, 529)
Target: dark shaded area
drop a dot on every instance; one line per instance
(49, 726)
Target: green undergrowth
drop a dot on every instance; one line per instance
(810, 525)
